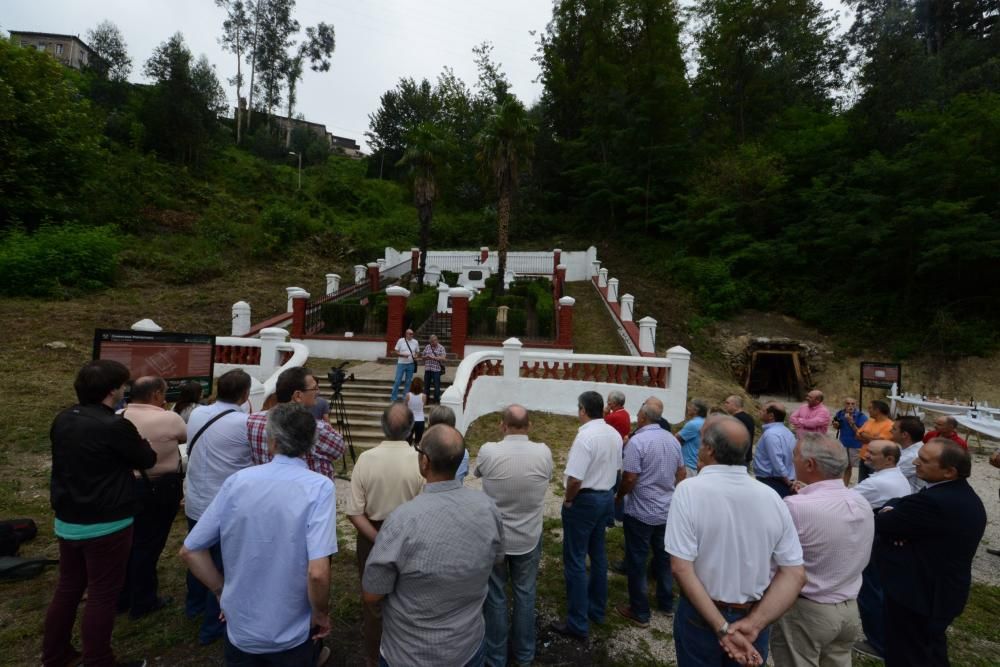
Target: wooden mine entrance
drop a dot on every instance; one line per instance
(777, 369)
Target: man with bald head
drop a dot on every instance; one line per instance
(733, 405)
(813, 416)
(729, 595)
(881, 486)
(946, 426)
(516, 474)
(925, 544)
(430, 567)
(160, 490)
(383, 478)
(835, 527)
(652, 467)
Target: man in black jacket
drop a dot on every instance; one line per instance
(925, 544)
(94, 452)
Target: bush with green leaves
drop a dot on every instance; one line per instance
(58, 260)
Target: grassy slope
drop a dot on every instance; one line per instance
(43, 385)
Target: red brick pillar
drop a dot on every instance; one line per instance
(459, 319)
(299, 302)
(484, 255)
(566, 322)
(397, 312)
(414, 260)
(373, 277)
(556, 258)
(561, 278)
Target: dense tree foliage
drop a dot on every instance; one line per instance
(49, 139)
(867, 205)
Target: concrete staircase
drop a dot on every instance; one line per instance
(364, 401)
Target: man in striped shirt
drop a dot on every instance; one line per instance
(434, 357)
(298, 385)
(836, 527)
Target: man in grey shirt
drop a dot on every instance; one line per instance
(516, 474)
(431, 564)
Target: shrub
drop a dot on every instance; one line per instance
(287, 223)
(56, 259)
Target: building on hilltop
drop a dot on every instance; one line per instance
(70, 50)
(348, 147)
(342, 145)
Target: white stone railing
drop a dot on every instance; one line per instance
(489, 381)
(580, 264)
(262, 358)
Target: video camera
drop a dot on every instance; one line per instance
(337, 377)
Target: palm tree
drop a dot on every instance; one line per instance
(506, 146)
(426, 158)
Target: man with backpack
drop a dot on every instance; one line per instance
(217, 447)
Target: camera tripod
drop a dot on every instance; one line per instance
(337, 377)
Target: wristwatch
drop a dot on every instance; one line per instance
(722, 631)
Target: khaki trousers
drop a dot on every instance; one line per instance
(371, 623)
(814, 633)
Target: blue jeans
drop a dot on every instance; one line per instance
(432, 386)
(696, 642)
(200, 600)
(523, 570)
(477, 660)
(584, 525)
(404, 373)
(639, 537)
(871, 606)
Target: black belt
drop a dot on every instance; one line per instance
(581, 491)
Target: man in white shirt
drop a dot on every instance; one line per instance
(886, 483)
(591, 469)
(406, 351)
(516, 474)
(217, 447)
(908, 433)
(724, 532)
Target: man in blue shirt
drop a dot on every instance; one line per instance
(846, 421)
(277, 527)
(772, 462)
(690, 434)
(652, 467)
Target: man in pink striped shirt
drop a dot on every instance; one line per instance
(813, 417)
(836, 527)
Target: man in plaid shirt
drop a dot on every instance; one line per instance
(434, 358)
(298, 385)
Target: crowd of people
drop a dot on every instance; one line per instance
(772, 550)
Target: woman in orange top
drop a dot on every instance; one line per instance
(878, 427)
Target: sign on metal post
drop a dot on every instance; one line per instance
(176, 357)
(880, 375)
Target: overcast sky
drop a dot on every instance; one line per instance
(378, 42)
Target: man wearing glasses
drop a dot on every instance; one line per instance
(298, 385)
(847, 421)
